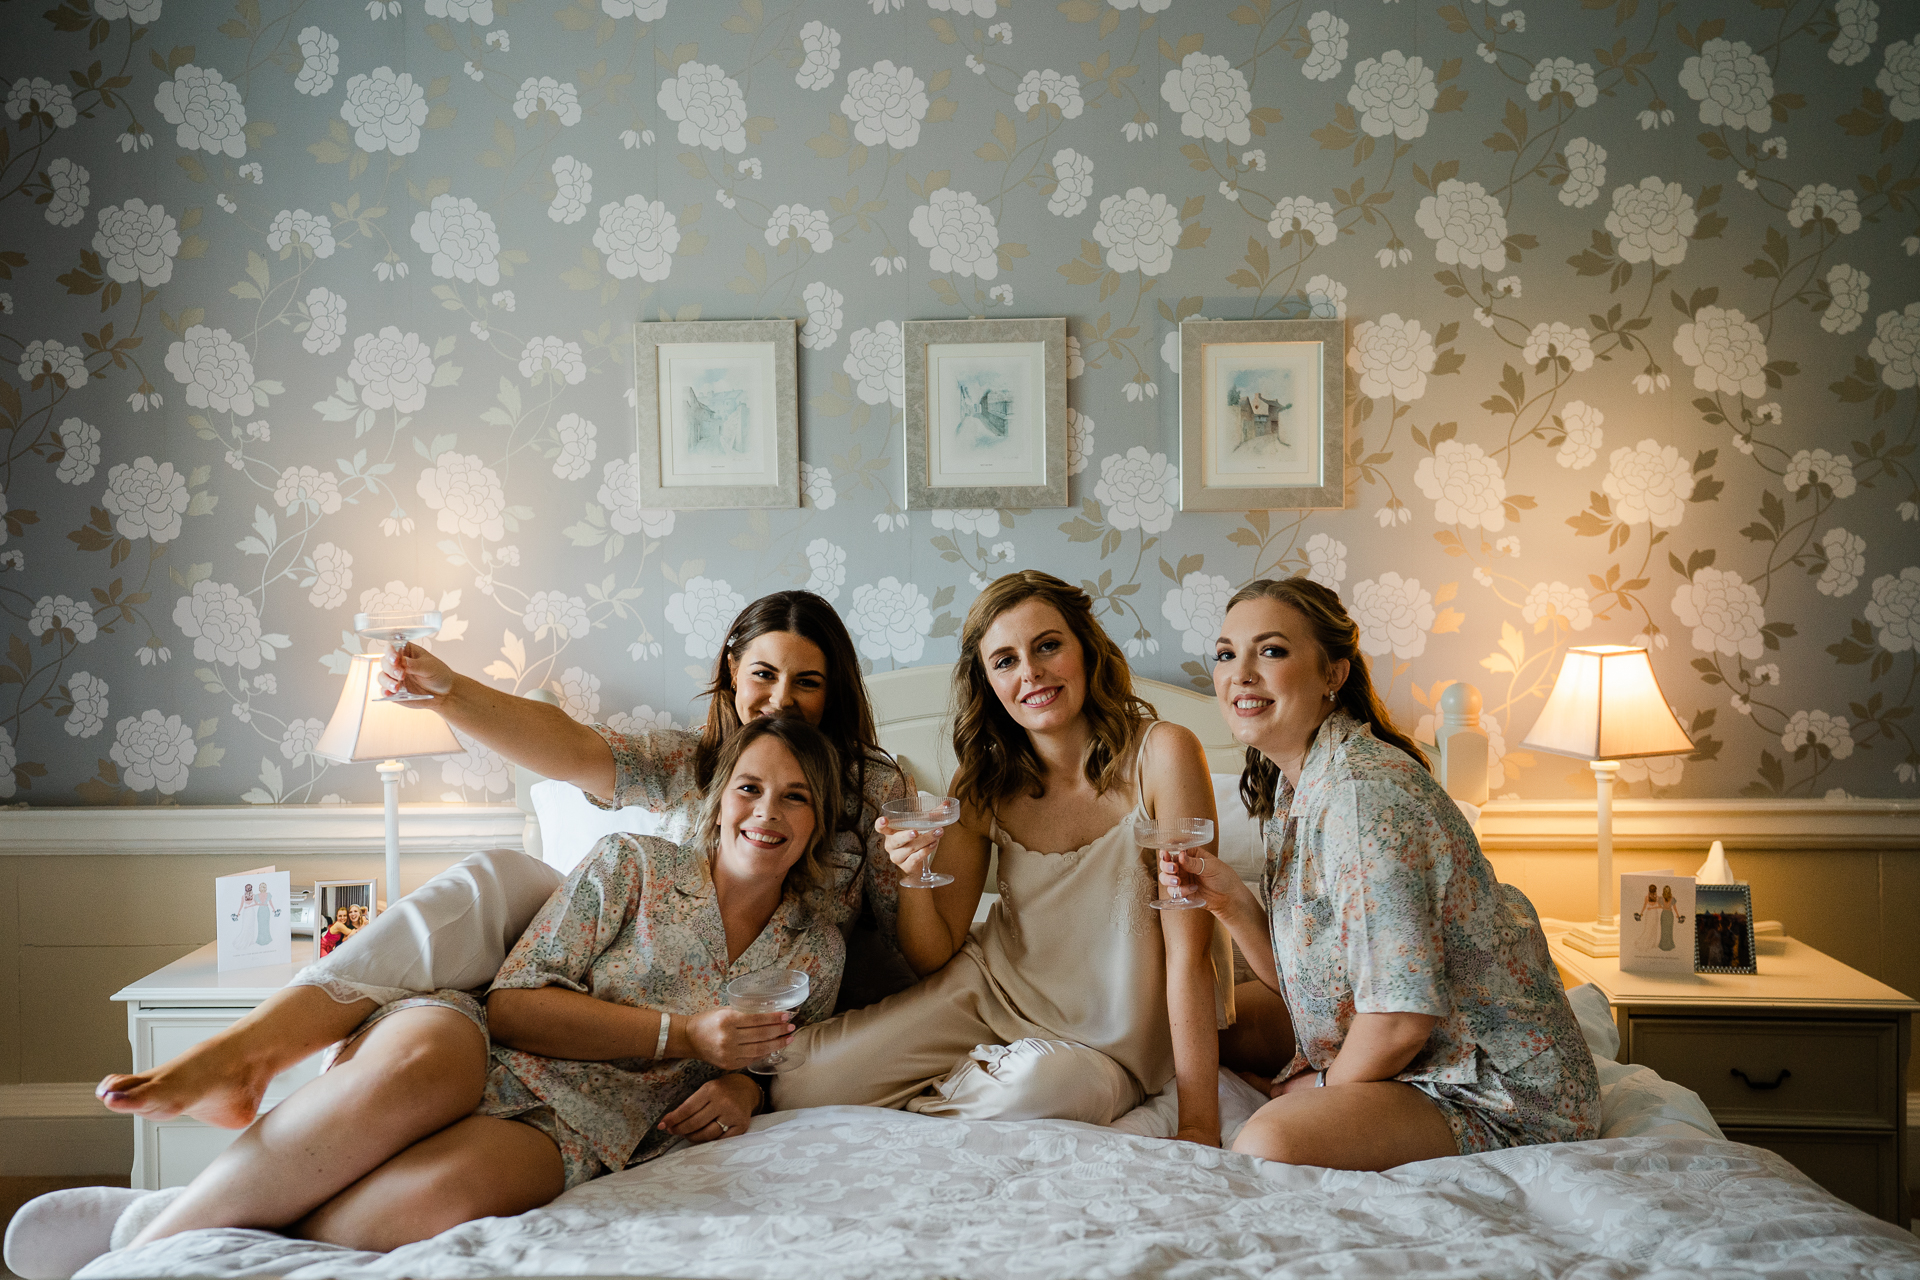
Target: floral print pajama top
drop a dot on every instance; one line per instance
(1381, 901)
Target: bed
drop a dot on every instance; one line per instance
(861, 1192)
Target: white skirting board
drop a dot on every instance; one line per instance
(61, 1129)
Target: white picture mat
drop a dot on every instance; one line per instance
(1293, 454)
(746, 367)
(955, 457)
(1641, 949)
(243, 916)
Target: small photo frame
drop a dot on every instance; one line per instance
(1656, 923)
(1723, 929)
(1262, 414)
(986, 413)
(719, 414)
(341, 909)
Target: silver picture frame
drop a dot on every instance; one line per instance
(718, 414)
(1263, 414)
(986, 413)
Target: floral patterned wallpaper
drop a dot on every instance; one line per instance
(309, 308)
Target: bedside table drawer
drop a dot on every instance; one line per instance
(1778, 1071)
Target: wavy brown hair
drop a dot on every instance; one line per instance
(847, 721)
(819, 765)
(996, 757)
(1338, 636)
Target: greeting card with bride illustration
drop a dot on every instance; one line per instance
(1656, 923)
(252, 924)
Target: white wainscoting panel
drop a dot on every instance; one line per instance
(264, 829)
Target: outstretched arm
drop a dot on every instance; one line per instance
(934, 922)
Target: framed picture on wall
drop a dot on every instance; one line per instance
(986, 413)
(719, 414)
(1262, 414)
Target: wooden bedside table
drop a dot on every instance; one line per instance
(180, 1005)
(1807, 1058)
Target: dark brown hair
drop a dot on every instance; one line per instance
(847, 721)
(996, 757)
(819, 765)
(1338, 636)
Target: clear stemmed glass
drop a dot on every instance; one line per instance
(924, 812)
(397, 628)
(769, 991)
(1171, 837)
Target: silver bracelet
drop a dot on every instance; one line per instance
(660, 1045)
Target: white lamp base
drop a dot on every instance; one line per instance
(1596, 938)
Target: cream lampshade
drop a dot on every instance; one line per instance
(365, 728)
(1606, 707)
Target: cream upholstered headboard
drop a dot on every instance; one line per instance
(910, 712)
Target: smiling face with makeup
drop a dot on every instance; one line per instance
(1036, 666)
(1271, 679)
(766, 816)
(779, 673)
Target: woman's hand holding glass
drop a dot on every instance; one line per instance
(1199, 875)
(411, 669)
(732, 1038)
(912, 830)
(718, 1109)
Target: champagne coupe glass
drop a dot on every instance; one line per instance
(1172, 836)
(924, 812)
(396, 628)
(769, 991)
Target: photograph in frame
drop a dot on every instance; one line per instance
(986, 413)
(1723, 929)
(350, 903)
(1262, 414)
(718, 414)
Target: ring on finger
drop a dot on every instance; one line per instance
(725, 1128)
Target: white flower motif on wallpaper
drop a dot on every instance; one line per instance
(1140, 490)
(89, 714)
(817, 484)
(461, 237)
(62, 613)
(639, 237)
(147, 499)
(1211, 96)
(1326, 299)
(216, 370)
(1847, 288)
(820, 50)
(1586, 169)
(319, 62)
(1313, 218)
(701, 611)
(1196, 608)
(1558, 341)
(1392, 356)
(1895, 346)
(80, 451)
(45, 358)
(1393, 95)
(1553, 76)
(154, 752)
(67, 182)
(877, 363)
(1080, 429)
(1651, 220)
(640, 719)
(1816, 467)
(1050, 87)
(644, 10)
(296, 229)
(557, 614)
(821, 328)
(1557, 599)
(1846, 561)
(1465, 484)
(137, 242)
(1073, 183)
(330, 577)
(1393, 614)
(308, 489)
(1581, 444)
(1139, 231)
(891, 619)
(1649, 482)
(385, 111)
(573, 188)
(826, 568)
(391, 368)
(580, 693)
(960, 233)
(1895, 611)
(555, 358)
(325, 325)
(885, 104)
(1466, 224)
(1899, 79)
(1732, 84)
(477, 768)
(558, 98)
(207, 110)
(1818, 731)
(577, 446)
(1327, 560)
(984, 521)
(467, 494)
(1726, 351)
(1329, 36)
(708, 106)
(33, 96)
(1838, 206)
(810, 226)
(1724, 612)
(224, 626)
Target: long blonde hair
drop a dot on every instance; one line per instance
(996, 757)
(1338, 636)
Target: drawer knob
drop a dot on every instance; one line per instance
(1774, 1083)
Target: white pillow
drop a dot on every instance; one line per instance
(1241, 845)
(570, 824)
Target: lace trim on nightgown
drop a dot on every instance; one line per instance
(341, 991)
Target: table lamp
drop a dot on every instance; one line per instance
(1606, 707)
(366, 728)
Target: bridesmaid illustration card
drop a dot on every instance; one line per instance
(1656, 923)
(252, 925)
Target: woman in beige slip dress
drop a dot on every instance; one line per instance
(1075, 999)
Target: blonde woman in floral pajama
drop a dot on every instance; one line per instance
(1406, 1007)
(609, 1034)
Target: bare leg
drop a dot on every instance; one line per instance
(414, 1074)
(222, 1079)
(480, 1167)
(1373, 1126)
(1260, 1041)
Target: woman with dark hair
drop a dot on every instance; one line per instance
(609, 1035)
(1075, 999)
(1406, 1008)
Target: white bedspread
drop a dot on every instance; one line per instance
(850, 1192)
